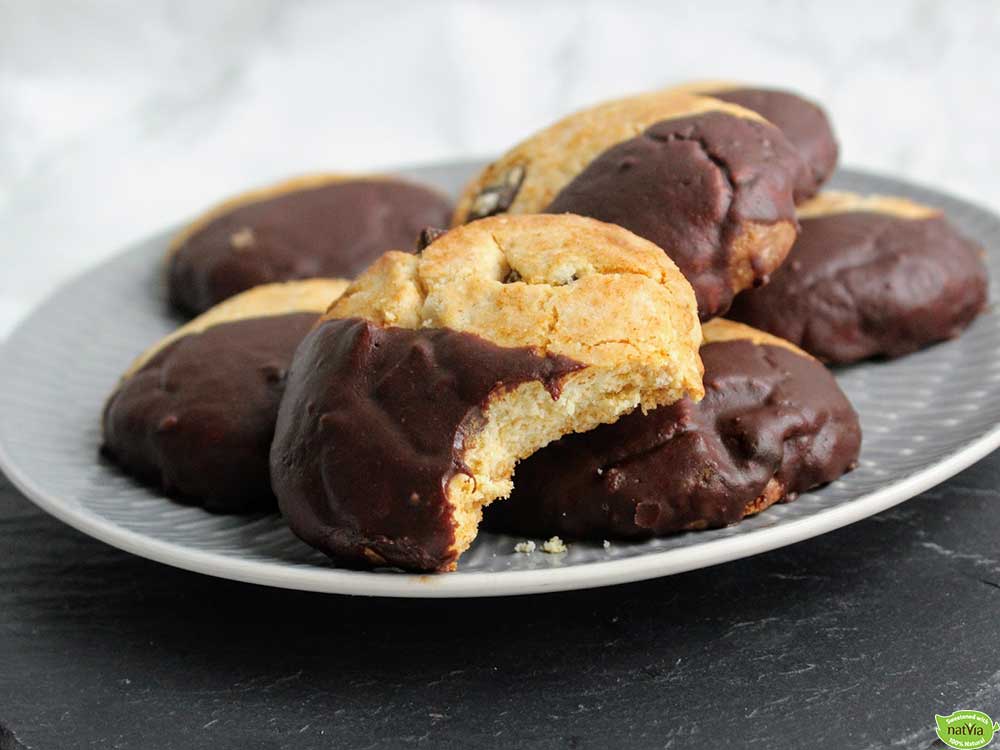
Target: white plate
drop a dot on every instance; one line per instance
(925, 417)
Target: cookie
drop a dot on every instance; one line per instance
(773, 423)
(323, 225)
(194, 414)
(408, 406)
(802, 121)
(711, 183)
(870, 276)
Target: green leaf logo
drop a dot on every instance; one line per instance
(966, 730)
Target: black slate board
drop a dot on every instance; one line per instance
(850, 640)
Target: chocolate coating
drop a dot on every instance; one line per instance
(768, 414)
(804, 123)
(372, 428)
(862, 284)
(335, 230)
(687, 185)
(197, 419)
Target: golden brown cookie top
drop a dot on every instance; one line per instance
(311, 295)
(561, 151)
(837, 202)
(564, 284)
(708, 181)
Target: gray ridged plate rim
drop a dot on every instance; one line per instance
(22, 356)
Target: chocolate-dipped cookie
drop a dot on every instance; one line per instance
(773, 423)
(409, 404)
(194, 415)
(870, 276)
(322, 225)
(710, 182)
(802, 121)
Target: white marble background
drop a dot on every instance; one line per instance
(120, 118)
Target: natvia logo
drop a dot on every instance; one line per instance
(966, 730)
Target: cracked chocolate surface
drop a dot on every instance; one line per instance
(804, 123)
(689, 184)
(861, 284)
(770, 417)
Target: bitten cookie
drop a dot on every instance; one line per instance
(870, 276)
(773, 423)
(711, 183)
(194, 415)
(802, 121)
(322, 225)
(408, 406)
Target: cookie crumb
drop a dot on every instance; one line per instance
(242, 239)
(525, 548)
(607, 544)
(554, 546)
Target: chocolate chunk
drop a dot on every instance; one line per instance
(497, 197)
(860, 284)
(197, 419)
(335, 230)
(804, 123)
(689, 185)
(427, 236)
(769, 418)
(373, 427)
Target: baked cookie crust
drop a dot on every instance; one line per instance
(503, 335)
(710, 182)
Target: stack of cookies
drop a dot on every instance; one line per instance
(569, 325)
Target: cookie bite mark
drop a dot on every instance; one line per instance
(395, 416)
(870, 276)
(695, 187)
(318, 226)
(773, 423)
(802, 121)
(500, 337)
(194, 415)
(710, 182)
